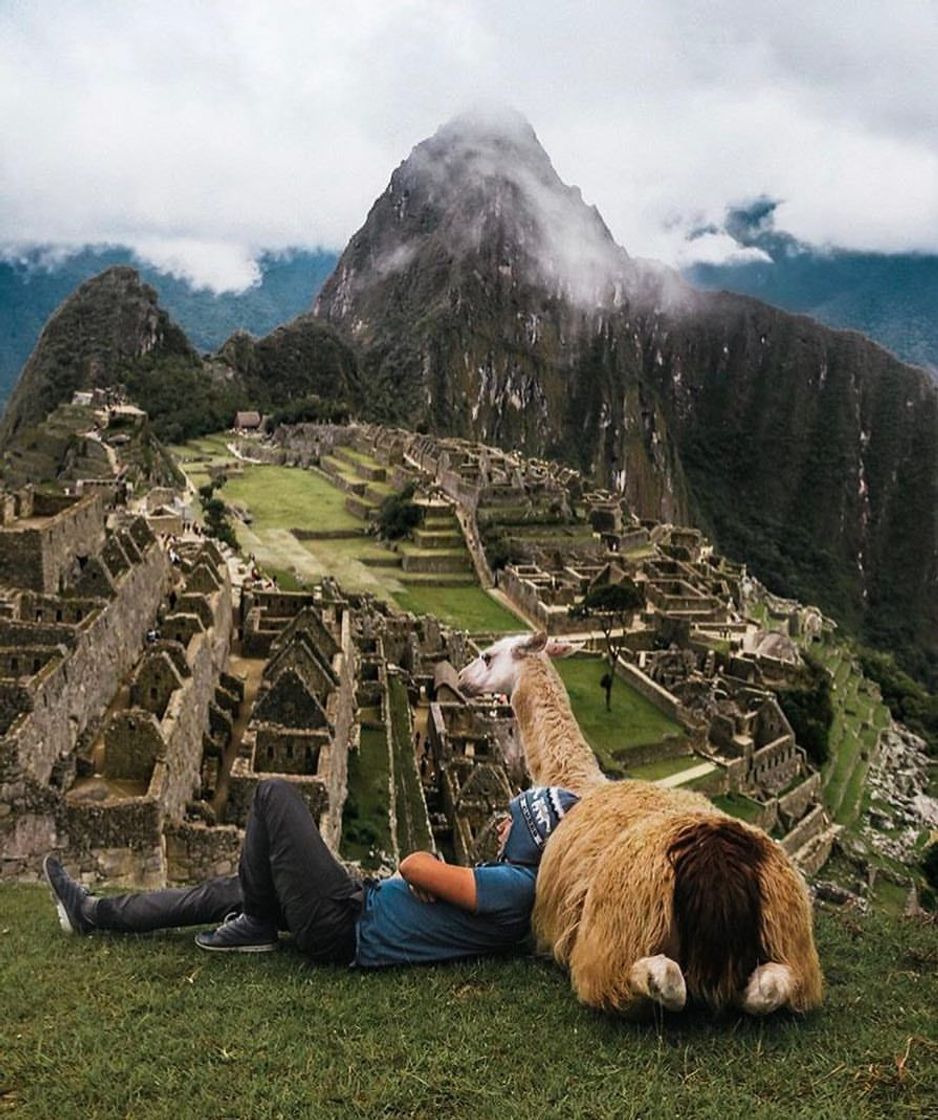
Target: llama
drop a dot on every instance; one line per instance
(650, 895)
(555, 751)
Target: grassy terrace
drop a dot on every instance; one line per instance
(150, 1028)
(365, 825)
(466, 607)
(858, 719)
(281, 499)
(632, 722)
(287, 498)
(664, 768)
(412, 831)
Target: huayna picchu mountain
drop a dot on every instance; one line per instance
(112, 331)
(488, 300)
(106, 326)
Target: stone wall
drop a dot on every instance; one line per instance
(659, 697)
(195, 852)
(806, 829)
(154, 682)
(132, 745)
(106, 645)
(288, 750)
(80, 687)
(42, 553)
(187, 714)
(793, 804)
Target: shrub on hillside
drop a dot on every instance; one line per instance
(908, 701)
(312, 409)
(930, 865)
(810, 710)
(399, 515)
(501, 550)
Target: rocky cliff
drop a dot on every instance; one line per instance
(488, 300)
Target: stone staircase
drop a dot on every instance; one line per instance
(363, 478)
(437, 555)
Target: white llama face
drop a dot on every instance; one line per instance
(498, 668)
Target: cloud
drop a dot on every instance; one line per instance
(199, 134)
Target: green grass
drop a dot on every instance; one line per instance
(286, 498)
(738, 806)
(469, 608)
(149, 1028)
(413, 833)
(664, 768)
(632, 722)
(213, 447)
(366, 827)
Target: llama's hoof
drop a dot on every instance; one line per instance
(660, 979)
(768, 989)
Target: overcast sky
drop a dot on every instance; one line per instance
(202, 132)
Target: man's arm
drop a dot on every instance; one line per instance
(428, 875)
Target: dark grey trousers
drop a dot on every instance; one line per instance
(287, 875)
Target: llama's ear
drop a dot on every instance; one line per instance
(534, 644)
(556, 647)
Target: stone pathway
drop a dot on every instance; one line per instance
(686, 775)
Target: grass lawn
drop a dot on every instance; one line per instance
(664, 768)
(149, 1027)
(738, 806)
(469, 608)
(287, 498)
(413, 833)
(366, 827)
(633, 721)
(213, 447)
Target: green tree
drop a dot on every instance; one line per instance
(611, 607)
(809, 709)
(398, 514)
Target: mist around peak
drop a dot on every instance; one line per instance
(486, 170)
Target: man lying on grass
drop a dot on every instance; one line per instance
(289, 880)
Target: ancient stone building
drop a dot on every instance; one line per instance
(67, 646)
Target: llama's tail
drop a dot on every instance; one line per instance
(718, 907)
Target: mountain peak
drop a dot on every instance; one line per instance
(493, 131)
(110, 320)
(482, 194)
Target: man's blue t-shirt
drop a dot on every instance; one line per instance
(397, 928)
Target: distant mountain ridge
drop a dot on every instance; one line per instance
(35, 282)
(891, 297)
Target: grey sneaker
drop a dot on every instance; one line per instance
(73, 902)
(240, 933)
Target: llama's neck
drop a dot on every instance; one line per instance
(539, 690)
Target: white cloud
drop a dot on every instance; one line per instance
(201, 133)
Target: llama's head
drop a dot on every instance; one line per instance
(499, 668)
